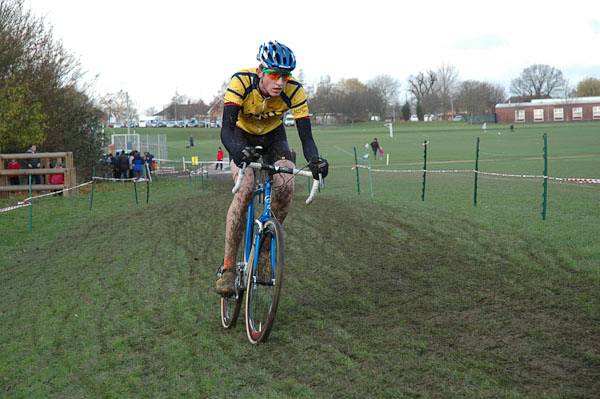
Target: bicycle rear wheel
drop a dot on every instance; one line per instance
(264, 283)
(231, 305)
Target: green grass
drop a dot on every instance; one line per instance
(383, 297)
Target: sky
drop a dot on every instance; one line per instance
(154, 49)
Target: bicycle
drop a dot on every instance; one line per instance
(261, 283)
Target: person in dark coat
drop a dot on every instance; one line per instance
(114, 162)
(34, 163)
(123, 165)
(375, 147)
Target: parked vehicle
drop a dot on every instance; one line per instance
(191, 123)
(414, 118)
(289, 120)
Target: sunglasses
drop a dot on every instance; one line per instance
(275, 74)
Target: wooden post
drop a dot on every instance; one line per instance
(3, 179)
(68, 170)
(30, 224)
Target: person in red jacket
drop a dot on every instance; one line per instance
(56, 178)
(14, 165)
(219, 159)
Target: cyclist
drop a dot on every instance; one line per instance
(254, 106)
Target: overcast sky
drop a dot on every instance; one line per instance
(152, 49)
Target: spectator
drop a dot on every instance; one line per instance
(56, 178)
(220, 157)
(149, 158)
(138, 165)
(114, 161)
(14, 165)
(191, 141)
(375, 147)
(34, 163)
(130, 159)
(123, 165)
(380, 152)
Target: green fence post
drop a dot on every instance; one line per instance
(202, 176)
(476, 173)
(93, 188)
(30, 206)
(356, 167)
(135, 191)
(424, 169)
(545, 184)
(370, 177)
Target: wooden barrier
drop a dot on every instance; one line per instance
(68, 171)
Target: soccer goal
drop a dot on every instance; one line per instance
(125, 142)
(155, 144)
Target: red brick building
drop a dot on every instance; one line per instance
(550, 110)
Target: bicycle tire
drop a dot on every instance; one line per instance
(262, 295)
(231, 305)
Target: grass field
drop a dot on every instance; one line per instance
(384, 297)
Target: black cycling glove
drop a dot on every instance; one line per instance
(246, 155)
(319, 166)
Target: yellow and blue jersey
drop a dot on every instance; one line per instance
(259, 115)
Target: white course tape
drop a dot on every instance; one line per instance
(417, 170)
(27, 201)
(580, 180)
(12, 208)
(508, 175)
(576, 180)
(55, 192)
(122, 180)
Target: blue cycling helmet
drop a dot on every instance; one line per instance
(277, 56)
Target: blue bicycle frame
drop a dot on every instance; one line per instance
(266, 215)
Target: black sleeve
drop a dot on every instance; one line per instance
(308, 143)
(230, 115)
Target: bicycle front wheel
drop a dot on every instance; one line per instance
(264, 282)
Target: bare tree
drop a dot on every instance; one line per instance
(475, 97)
(180, 98)
(445, 86)
(387, 88)
(323, 101)
(538, 81)
(421, 86)
(119, 107)
(356, 100)
(151, 111)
